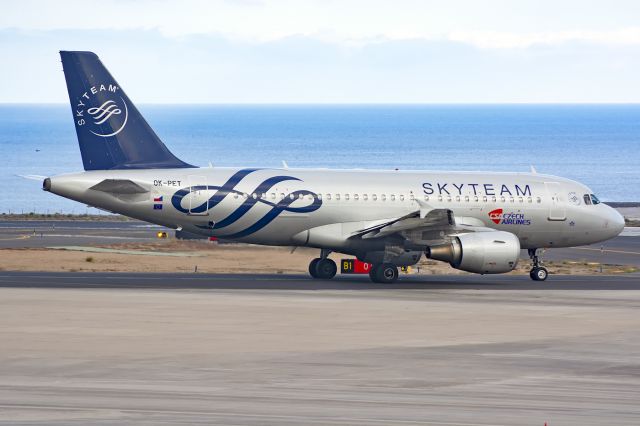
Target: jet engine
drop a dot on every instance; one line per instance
(491, 252)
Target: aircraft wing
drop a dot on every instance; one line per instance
(424, 226)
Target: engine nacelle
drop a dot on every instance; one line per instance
(492, 252)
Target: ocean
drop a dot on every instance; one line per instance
(598, 145)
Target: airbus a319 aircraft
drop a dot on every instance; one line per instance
(475, 221)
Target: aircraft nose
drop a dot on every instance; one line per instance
(615, 221)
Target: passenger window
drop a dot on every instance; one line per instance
(457, 198)
(355, 197)
(511, 200)
(273, 195)
(520, 200)
(475, 198)
(439, 197)
(282, 196)
(337, 197)
(538, 200)
(393, 197)
(346, 197)
(402, 198)
(319, 197)
(374, 197)
(364, 197)
(411, 197)
(292, 196)
(328, 196)
(466, 198)
(529, 200)
(493, 199)
(484, 199)
(587, 199)
(502, 199)
(426, 198)
(383, 197)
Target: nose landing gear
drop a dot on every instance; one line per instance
(537, 273)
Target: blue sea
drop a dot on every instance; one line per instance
(598, 145)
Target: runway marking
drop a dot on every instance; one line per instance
(607, 251)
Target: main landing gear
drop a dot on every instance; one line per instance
(384, 273)
(322, 267)
(537, 273)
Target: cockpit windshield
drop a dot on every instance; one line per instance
(590, 199)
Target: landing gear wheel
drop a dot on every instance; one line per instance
(325, 269)
(385, 273)
(538, 273)
(312, 267)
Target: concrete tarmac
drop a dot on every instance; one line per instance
(155, 349)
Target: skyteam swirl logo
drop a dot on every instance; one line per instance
(104, 112)
(108, 118)
(228, 188)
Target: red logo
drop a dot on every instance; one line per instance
(496, 216)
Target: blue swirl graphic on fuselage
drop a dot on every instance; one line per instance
(229, 188)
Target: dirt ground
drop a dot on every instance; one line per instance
(186, 256)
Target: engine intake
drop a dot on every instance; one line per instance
(492, 252)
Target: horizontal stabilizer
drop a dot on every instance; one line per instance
(119, 186)
(32, 177)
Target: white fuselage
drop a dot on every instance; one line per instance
(280, 206)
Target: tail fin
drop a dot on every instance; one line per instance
(111, 131)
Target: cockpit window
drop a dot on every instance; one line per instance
(594, 199)
(587, 199)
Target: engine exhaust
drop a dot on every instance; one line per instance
(449, 252)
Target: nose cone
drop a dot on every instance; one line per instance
(615, 222)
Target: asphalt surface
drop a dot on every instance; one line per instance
(240, 282)
(157, 349)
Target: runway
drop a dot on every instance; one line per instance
(241, 282)
(156, 349)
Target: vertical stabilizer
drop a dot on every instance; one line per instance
(111, 131)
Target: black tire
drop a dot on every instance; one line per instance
(326, 269)
(539, 274)
(386, 273)
(312, 267)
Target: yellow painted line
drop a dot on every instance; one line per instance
(608, 251)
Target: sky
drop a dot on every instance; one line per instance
(330, 51)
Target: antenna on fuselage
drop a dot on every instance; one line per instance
(533, 170)
(284, 165)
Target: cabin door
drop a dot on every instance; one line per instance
(198, 196)
(557, 201)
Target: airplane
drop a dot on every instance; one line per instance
(476, 221)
